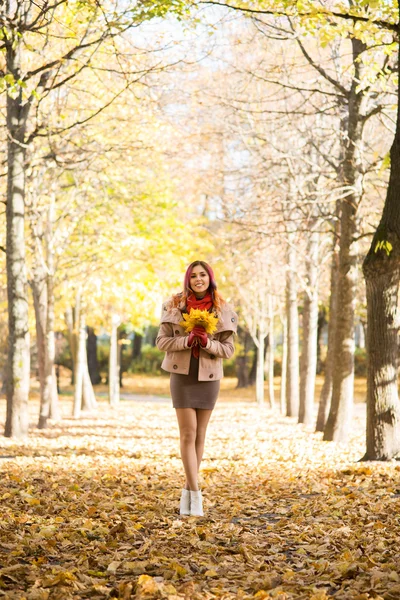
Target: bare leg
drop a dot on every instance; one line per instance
(187, 422)
(203, 418)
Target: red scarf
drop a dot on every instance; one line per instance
(203, 304)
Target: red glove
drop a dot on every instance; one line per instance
(192, 340)
(200, 333)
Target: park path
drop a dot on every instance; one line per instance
(90, 510)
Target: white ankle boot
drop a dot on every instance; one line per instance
(184, 506)
(196, 504)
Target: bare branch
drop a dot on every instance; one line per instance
(322, 71)
(348, 17)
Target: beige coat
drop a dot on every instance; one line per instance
(172, 339)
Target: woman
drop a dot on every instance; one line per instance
(195, 363)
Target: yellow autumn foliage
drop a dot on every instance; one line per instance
(202, 318)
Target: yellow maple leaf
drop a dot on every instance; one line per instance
(201, 318)
(147, 584)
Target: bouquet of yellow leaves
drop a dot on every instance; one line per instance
(201, 318)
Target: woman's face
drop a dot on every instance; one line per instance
(199, 280)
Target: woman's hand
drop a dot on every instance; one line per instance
(198, 335)
(192, 339)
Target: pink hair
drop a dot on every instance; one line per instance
(187, 290)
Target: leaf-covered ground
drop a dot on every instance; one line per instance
(89, 509)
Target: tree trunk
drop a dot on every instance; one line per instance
(72, 339)
(284, 366)
(137, 346)
(120, 354)
(326, 392)
(241, 363)
(50, 347)
(360, 335)
(72, 319)
(292, 372)
(322, 322)
(383, 406)
(253, 369)
(39, 293)
(4, 380)
(89, 402)
(270, 353)
(18, 370)
(382, 274)
(242, 372)
(43, 295)
(55, 409)
(93, 364)
(310, 334)
(260, 370)
(80, 367)
(340, 416)
(339, 420)
(113, 377)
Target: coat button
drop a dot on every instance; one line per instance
(233, 319)
(176, 330)
(175, 366)
(211, 376)
(212, 356)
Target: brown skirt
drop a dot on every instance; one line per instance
(188, 392)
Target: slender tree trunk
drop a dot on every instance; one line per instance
(72, 339)
(310, 334)
(270, 361)
(382, 274)
(89, 401)
(40, 301)
(322, 322)
(120, 355)
(339, 421)
(39, 293)
(18, 325)
(338, 425)
(4, 380)
(72, 319)
(241, 372)
(50, 377)
(361, 335)
(253, 369)
(241, 363)
(55, 409)
(292, 372)
(260, 369)
(113, 378)
(80, 367)
(284, 366)
(326, 392)
(43, 295)
(137, 346)
(93, 364)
